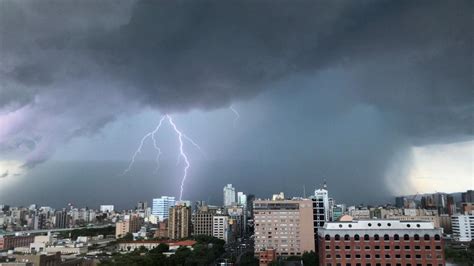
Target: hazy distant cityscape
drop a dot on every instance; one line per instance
(424, 229)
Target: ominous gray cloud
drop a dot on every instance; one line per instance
(5, 174)
(70, 67)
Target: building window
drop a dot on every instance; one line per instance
(366, 237)
(426, 237)
(387, 247)
(347, 237)
(348, 256)
(418, 256)
(408, 256)
(396, 237)
(357, 256)
(347, 247)
(376, 237)
(417, 237)
(386, 237)
(328, 256)
(367, 256)
(438, 247)
(417, 247)
(337, 237)
(437, 237)
(427, 247)
(377, 247)
(406, 237)
(356, 237)
(328, 247)
(397, 247)
(327, 237)
(407, 247)
(387, 256)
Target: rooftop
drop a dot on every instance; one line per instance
(378, 224)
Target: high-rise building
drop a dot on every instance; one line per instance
(242, 202)
(380, 242)
(179, 222)
(463, 227)
(337, 211)
(220, 227)
(284, 225)
(250, 200)
(161, 206)
(131, 224)
(400, 202)
(106, 208)
(142, 205)
(61, 219)
(320, 209)
(467, 196)
(202, 220)
(242, 199)
(229, 195)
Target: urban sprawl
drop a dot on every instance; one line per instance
(425, 229)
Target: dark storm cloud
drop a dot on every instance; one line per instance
(5, 174)
(69, 67)
(179, 55)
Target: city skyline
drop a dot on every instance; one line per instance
(267, 103)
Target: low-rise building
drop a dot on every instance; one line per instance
(11, 242)
(266, 257)
(151, 244)
(380, 242)
(220, 227)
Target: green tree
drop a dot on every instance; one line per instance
(127, 237)
(310, 258)
(248, 259)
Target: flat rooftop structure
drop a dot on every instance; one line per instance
(379, 224)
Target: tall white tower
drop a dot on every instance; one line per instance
(320, 209)
(229, 195)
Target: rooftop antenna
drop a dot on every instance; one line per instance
(304, 191)
(325, 186)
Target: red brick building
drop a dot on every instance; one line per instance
(10, 242)
(380, 243)
(267, 256)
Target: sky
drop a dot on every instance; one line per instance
(375, 97)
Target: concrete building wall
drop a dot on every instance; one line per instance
(284, 225)
(179, 222)
(463, 227)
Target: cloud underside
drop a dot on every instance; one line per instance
(70, 67)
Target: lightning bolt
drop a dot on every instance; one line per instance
(182, 154)
(155, 145)
(142, 142)
(237, 115)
